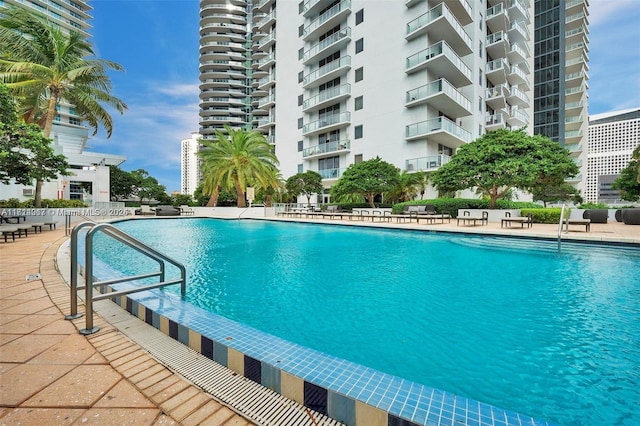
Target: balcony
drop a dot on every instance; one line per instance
(327, 123)
(426, 164)
(518, 33)
(329, 45)
(518, 54)
(266, 122)
(331, 173)
(461, 10)
(496, 71)
(496, 121)
(441, 94)
(517, 77)
(442, 61)
(266, 21)
(325, 149)
(331, 95)
(497, 18)
(573, 122)
(264, 4)
(267, 101)
(266, 62)
(327, 72)
(440, 130)
(497, 96)
(517, 97)
(328, 19)
(576, 20)
(573, 137)
(439, 22)
(576, 64)
(518, 11)
(311, 6)
(577, 50)
(266, 42)
(517, 118)
(573, 107)
(410, 3)
(498, 44)
(574, 94)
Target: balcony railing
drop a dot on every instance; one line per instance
(327, 148)
(331, 173)
(343, 89)
(437, 124)
(328, 14)
(323, 44)
(329, 120)
(426, 163)
(331, 66)
(437, 49)
(436, 87)
(434, 13)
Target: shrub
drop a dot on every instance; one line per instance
(11, 203)
(452, 205)
(548, 215)
(587, 206)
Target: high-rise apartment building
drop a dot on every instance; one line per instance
(190, 164)
(560, 82)
(335, 82)
(68, 133)
(612, 138)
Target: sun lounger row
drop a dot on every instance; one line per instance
(11, 229)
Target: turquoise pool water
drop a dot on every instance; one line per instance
(506, 322)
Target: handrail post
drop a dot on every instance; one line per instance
(88, 279)
(560, 226)
(74, 270)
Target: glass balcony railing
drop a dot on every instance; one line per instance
(331, 66)
(435, 13)
(436, 87)
(343, 117)
(498, 64)
(328, 14)
(325, 148)
(331, 173)
(323, 44)
(437, 49)
(426, 163)
(437, 124)
(330, 93)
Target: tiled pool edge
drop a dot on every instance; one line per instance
(348, 392)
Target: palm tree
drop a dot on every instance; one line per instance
(236, 160)
(43, 65)
(274, 185)
(408, 187)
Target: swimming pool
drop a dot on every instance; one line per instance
(553, 336)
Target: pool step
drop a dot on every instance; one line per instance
(257, 403)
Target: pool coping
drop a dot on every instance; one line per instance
(343, 390)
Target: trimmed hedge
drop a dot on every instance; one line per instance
(549, 215)
(46, 203)
(452, 205)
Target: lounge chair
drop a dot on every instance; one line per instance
(467, 219)
(7, 230)
(186, 211)
(167, 211)
(507, 220)
(145, 210)
(582, 222)
(430, 215)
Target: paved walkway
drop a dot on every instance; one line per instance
(52, 375)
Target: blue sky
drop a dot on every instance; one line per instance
(156, 41)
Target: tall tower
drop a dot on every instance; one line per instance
(561, 66)
(190, 164)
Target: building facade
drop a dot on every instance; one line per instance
(334, 82)
(190, 164)
(89, 179)
(560, 77)
(612, 138)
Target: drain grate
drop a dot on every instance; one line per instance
(33, 277)
(259, 404)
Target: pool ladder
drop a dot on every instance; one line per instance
(560, 226)
(128, 240)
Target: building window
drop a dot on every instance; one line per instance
(357, 132)
(300, 7)
(358, 103)
(480, 50)
(300, 122)
(300, 30)
(480, 82)
(480, 103)
(300, 76)
(300, 169)
(357, 158)
(359, 74)
(359, 45)
(299, 146)
(359, 16)
(300, 99)
(301, 53)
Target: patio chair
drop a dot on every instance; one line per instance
(186, 210)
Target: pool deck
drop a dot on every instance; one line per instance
(50, 374)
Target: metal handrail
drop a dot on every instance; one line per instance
(128, 240)
(560, 226)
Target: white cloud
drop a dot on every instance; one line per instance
(602, 11)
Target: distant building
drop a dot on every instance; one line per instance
(90, 170)
(612, 138)
(190, 164)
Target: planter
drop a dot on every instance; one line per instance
(631, 216)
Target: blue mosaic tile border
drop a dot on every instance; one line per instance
(350, 393)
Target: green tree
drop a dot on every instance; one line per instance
(307, 184)
(273, 187)
(554, 194)
(25, 154)
(146, 187)
(408, 187)
(43, 65)
(236, 160)
(629, 181)
(502, 160)
(181, 200)
(121, 184)
(367, 179)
